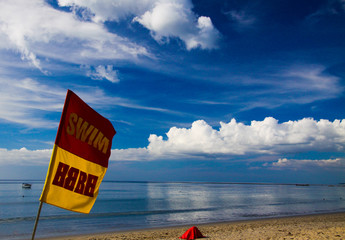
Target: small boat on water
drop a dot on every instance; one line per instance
(26, 185)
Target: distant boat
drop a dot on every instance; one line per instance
(26, 185)
(302, 185)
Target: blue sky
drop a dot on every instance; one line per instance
(232, 91)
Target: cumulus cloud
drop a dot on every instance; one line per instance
(232, 139)
(102, 72)
(260, 137)
(173, 19)
(284, 163)
(164, 19)
(37, 30)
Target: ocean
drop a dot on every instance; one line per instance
(139, 205)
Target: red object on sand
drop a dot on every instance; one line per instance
(192, 233)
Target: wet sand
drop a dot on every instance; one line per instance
(323, 226)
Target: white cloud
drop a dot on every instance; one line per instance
(25, 101)
(242, 19)
(207, 35)
(301, 84)
(108, 10)
(36, 30)
(314, 78)
(24, 156)
(164, 18)
(260, 137)
(201, 141)
(130, 154)
(334, 7)
(284, 163)
(174, 19)
(102, 72)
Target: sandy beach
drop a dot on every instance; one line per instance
(323, 226)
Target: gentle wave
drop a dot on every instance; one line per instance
(111, 214)
(152, 212)
(133, 205)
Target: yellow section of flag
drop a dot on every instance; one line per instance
(72, 182)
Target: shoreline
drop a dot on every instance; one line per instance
(315, 226)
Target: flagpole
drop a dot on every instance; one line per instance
(36, 222)
(41, 202)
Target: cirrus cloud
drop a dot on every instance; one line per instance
(37, 31)
(26, 101)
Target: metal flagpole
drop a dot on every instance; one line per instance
(36, 222)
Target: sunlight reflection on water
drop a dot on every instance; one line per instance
(135, 205)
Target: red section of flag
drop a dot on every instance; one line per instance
(84, 132)
(192, 233)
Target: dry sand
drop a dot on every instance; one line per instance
(323, 226)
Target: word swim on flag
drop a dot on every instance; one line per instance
(80, 157)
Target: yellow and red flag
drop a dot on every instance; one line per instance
(80, 157)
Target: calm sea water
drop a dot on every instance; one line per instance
(137, 205)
